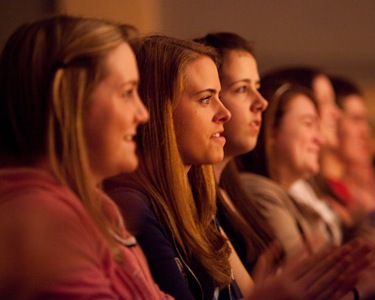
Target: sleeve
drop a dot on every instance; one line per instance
(283, 223)
(273, 205)
(153, 239)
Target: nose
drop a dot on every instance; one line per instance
(335, 111)
(260, 103)
(317, 135)
(364, 128)
(142, 114)
(223, 114)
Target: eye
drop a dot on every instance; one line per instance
(308, 122)
(205, 100)
(128, 93)
(241, 89)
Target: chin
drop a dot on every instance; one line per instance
(216, 159)
(314, 170)
(332, 141)
(130, 166)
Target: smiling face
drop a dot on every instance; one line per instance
(240, 83)
(296, 142)
(199, 115)
(354, 131)
(113, 115)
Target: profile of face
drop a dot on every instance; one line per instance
(296, 141)
(240, 83)
(329, 112)
(199, 116)
(354, 131)
(115, 110)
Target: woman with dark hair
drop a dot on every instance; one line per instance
(351, 174)
(238, 72)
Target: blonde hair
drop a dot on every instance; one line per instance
(186, 205)
(48, 70)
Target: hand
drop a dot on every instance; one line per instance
(365, 285)
(329, 274)
(268, 263)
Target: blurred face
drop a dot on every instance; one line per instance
(296, 142)
(240, 84)
(329, 112)
(112, 118)
(354, 131)
(199, 116)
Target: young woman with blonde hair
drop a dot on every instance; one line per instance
(69, 109)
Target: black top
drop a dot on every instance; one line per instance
(170, 269)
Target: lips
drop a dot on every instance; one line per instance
(218, 137)
(256, 124)
(128, 137)
(218, 134)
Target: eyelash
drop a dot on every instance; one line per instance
(244, 89)
(241, 89)
(128, 93)
(309, 123)
(205, 100)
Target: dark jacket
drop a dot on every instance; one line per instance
(170, 269)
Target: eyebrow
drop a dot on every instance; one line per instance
(133, 81)
(245, 80)
(309, 116)
(130, 82)
(213, 91)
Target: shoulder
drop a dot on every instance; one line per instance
(258, 181)
(127, 194)
(132, 200)
(263, 187)
(37, 193)
(36, 205)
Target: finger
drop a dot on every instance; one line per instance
(299, 267)
(329, 282)
(342, 265)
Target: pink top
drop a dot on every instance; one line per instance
(56, 248)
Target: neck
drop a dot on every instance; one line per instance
(219, 167)
(187, 168)
(284, 175)
(286, 180)
(331, 165)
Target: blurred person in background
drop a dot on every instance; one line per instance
(353, 175)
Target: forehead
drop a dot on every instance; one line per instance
(354, 103)
(301, 105)
(237, 63)
(121, 62)
(201, 73)
(323, 89)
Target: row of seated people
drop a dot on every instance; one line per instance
(127, 172)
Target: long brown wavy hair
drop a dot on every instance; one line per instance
(185, 204)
